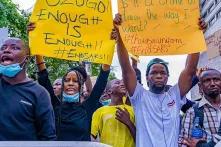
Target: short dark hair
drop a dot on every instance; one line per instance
(156, 61)
(209, 69)
(81, 70)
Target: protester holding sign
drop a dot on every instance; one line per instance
(55, 89)
(26, 112)
(73, 36)
(157, 112)
(116, 117)
(73, 118)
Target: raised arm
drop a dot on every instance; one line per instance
(185, 79)
(92, 103)
(88, 85)
(44, 80)
(128, 73)
(40, 63)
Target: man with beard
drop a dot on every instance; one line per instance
(157, 112)
(114, 123)
(26, 112)
(210, 108)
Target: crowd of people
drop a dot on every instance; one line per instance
(120, 112)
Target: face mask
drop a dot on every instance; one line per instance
(106, 102)
(10, 70)
(71, 98)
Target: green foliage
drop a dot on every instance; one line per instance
(112, 76)
(56, 67)
(14, 19)
(96, 70)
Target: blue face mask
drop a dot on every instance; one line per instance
(106, 102)
(10, 70)
(71, 98)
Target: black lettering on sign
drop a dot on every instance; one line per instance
(41, 14)
(81, 56)
(101, 7)
(92, 5)
(125, 5)
(135, 28)
(148, 2)
(83, 19)
(66, 2)
(151, 15)
(95, 20)
(97, 5)
(170, 2)
(73, 31)
(70, 53)
(80, 4)
(190, 2)
(48, 39)
(60, 52)
(55, 17)
(65, 18)
(52, 2)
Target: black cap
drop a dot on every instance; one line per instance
(157, 61)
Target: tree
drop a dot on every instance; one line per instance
(13, 18)
(56, 67)
(16, 21)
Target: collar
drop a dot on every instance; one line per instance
(204, 101)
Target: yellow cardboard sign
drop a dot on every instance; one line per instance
(161, 27)
(76, 30)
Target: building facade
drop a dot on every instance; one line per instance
(211, 12)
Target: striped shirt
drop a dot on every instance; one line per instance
(211, 121)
